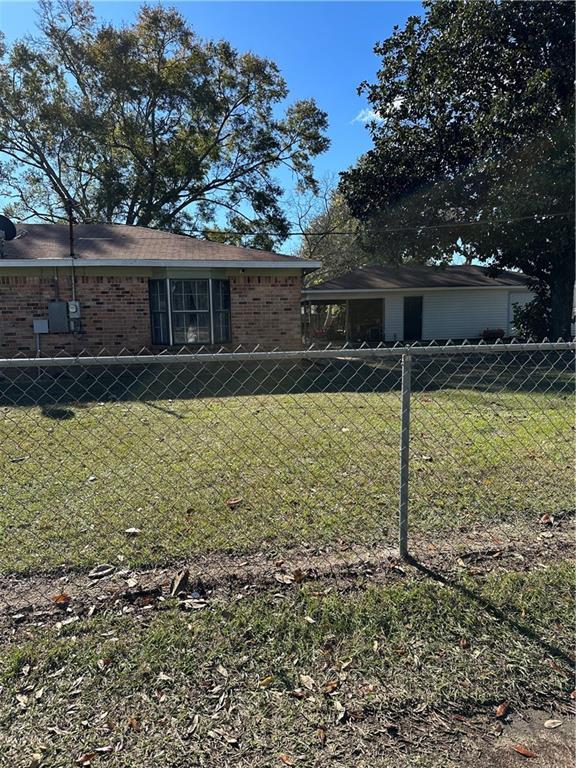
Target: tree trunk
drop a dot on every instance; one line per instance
(562, 297)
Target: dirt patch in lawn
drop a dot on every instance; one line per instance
(57, 595)
(527, 738)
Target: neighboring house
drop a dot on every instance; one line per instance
(413, 303)
(132, 288)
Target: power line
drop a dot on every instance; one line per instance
(413, 228)
(386, 230)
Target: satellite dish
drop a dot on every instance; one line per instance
(8, 228)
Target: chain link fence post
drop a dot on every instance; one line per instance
(404, 455)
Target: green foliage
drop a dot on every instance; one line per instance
(147, 124)
(476, 107)
(532, 320)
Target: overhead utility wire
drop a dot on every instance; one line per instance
(414, 228)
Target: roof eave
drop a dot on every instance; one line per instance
(172, 263)
(329, 292)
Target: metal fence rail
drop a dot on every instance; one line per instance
(119, 471)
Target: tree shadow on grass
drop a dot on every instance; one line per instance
(57, 412)
(518, 372)
(497, 613)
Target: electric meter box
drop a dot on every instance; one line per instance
(58, 317)
(74, 310)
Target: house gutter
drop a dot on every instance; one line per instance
(309, 295)
(172, 263)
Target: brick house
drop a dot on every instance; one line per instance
(129, 288)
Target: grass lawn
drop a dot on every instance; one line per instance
(392, 675)
(390, 667)
(316, 468)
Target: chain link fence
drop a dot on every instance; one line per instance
(174, 473)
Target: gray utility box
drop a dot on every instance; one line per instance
(58, 321)
(40, 325)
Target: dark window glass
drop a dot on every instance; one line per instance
(190, 311)
(190, 296)
(191, 328)
(159, 312)
(221, 310)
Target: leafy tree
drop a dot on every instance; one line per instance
(329, 231)
(149, 125)
(476, 108)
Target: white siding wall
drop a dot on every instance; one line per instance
(464, 314)
(393, 317)
(454, 314)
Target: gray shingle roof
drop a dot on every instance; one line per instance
(120, 241)
(390, 277)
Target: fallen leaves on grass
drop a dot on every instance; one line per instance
(298, 575)
(550, 724)
(342, 714)
(307, 682)
(556, 667)
(104, 569)
(180, 583)
(61, 600)
(22, 699)
(522, 750)
(87, 758)
(134, 724)
(330, 686)
(266, 681)
(284, 578)
(220, 733)
(235, 502)
(286, 759)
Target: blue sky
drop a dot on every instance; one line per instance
(323, 49)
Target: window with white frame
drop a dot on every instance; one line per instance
(186, 311)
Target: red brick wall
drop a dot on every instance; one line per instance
(115, 313)
(266, 310)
